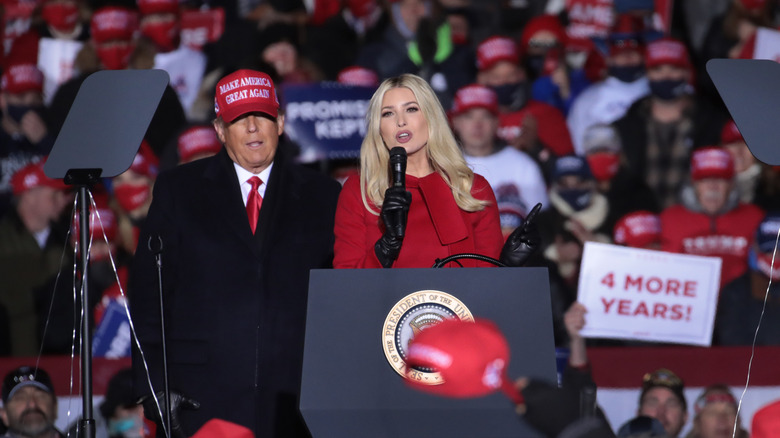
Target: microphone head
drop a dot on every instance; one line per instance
(397, 155)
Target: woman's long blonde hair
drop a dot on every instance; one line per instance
(443, 151)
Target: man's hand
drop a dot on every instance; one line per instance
(395, 211)
(523, 241)
(178, 402)
(33, 127)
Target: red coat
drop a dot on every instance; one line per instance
(727, 236)
(436, 227)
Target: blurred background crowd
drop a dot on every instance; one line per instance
(600, 109)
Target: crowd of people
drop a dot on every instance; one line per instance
(609, 123)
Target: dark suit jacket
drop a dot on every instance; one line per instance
(235, 304)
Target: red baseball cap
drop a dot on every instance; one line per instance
(145, 162)
(494, 50)
(21, 78)
(217, 428)
(245, 91)
(638, 229)
(730, 133)
(667, 51)
(113, 23)
(471, 357)
(550, 23)
(474, 96)
(32, 176)
(197, 140)
(711, 162)
(359, 76)
(158, 6)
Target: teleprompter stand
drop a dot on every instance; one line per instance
(359, 321)
(99, 139)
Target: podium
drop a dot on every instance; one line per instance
(360, 320)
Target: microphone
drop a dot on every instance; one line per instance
(398, 166)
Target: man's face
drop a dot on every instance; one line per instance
(716, 420)
(502, 73)
(476, 129)
(30, 412)
(661, 404)
(626, 58)
(251, 140)
(668, 72)
(712, 193)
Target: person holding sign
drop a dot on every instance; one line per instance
(431, 205)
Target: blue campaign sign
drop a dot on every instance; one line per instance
(326, 120)
(112, 337)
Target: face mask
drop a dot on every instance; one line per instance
(130, 197)
(131, 427)
(627, 73)
(534, 64)
(603, 165)
(512, 95)
(17, 112)
(115, 57)
(60, 16)
(578, 199)
(669, 89)
(165, 34)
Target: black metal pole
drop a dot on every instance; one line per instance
(156, 247)
(87, 429)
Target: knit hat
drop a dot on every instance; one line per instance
(474, 96)
(664, 378)
(496, 49)
(711, 162)
(119, 393)
(638, 229)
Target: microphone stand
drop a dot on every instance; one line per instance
(155, 245)
(83, 178)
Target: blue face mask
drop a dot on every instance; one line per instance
(669, 89)
(627, 73)
(16, 112)
(127, 427)
(578, 199)
(513, 96)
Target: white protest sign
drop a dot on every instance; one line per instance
(767, 44)
(55, 60)
(648, 295)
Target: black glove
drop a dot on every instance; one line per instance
(178, 402)
(395, 211)
(522, 242)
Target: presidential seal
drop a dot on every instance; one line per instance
(411, 315)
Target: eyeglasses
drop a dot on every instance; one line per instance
(662, 377)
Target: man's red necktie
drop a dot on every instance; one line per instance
(253, 202)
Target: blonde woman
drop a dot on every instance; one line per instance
(444, 208)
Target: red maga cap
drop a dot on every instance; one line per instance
(22, 78)
(32, 176)
(730, 133)
(359, 76)
(245, 91)
(471, 357)
(711, 162)
(216, 428)
(638, 229)
(667, 51)
(197, 140)
(158, 6)
(113, 23)
(494, 50)
(474, 96)
(145, 162)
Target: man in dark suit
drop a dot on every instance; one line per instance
(235, 296)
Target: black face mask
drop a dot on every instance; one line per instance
(17, 112)
(534, 64)
(102, 275)
(513, 96)
(627, 73)
(578, 199)
(669, 89)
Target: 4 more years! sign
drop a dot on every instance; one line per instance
(648, 295)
